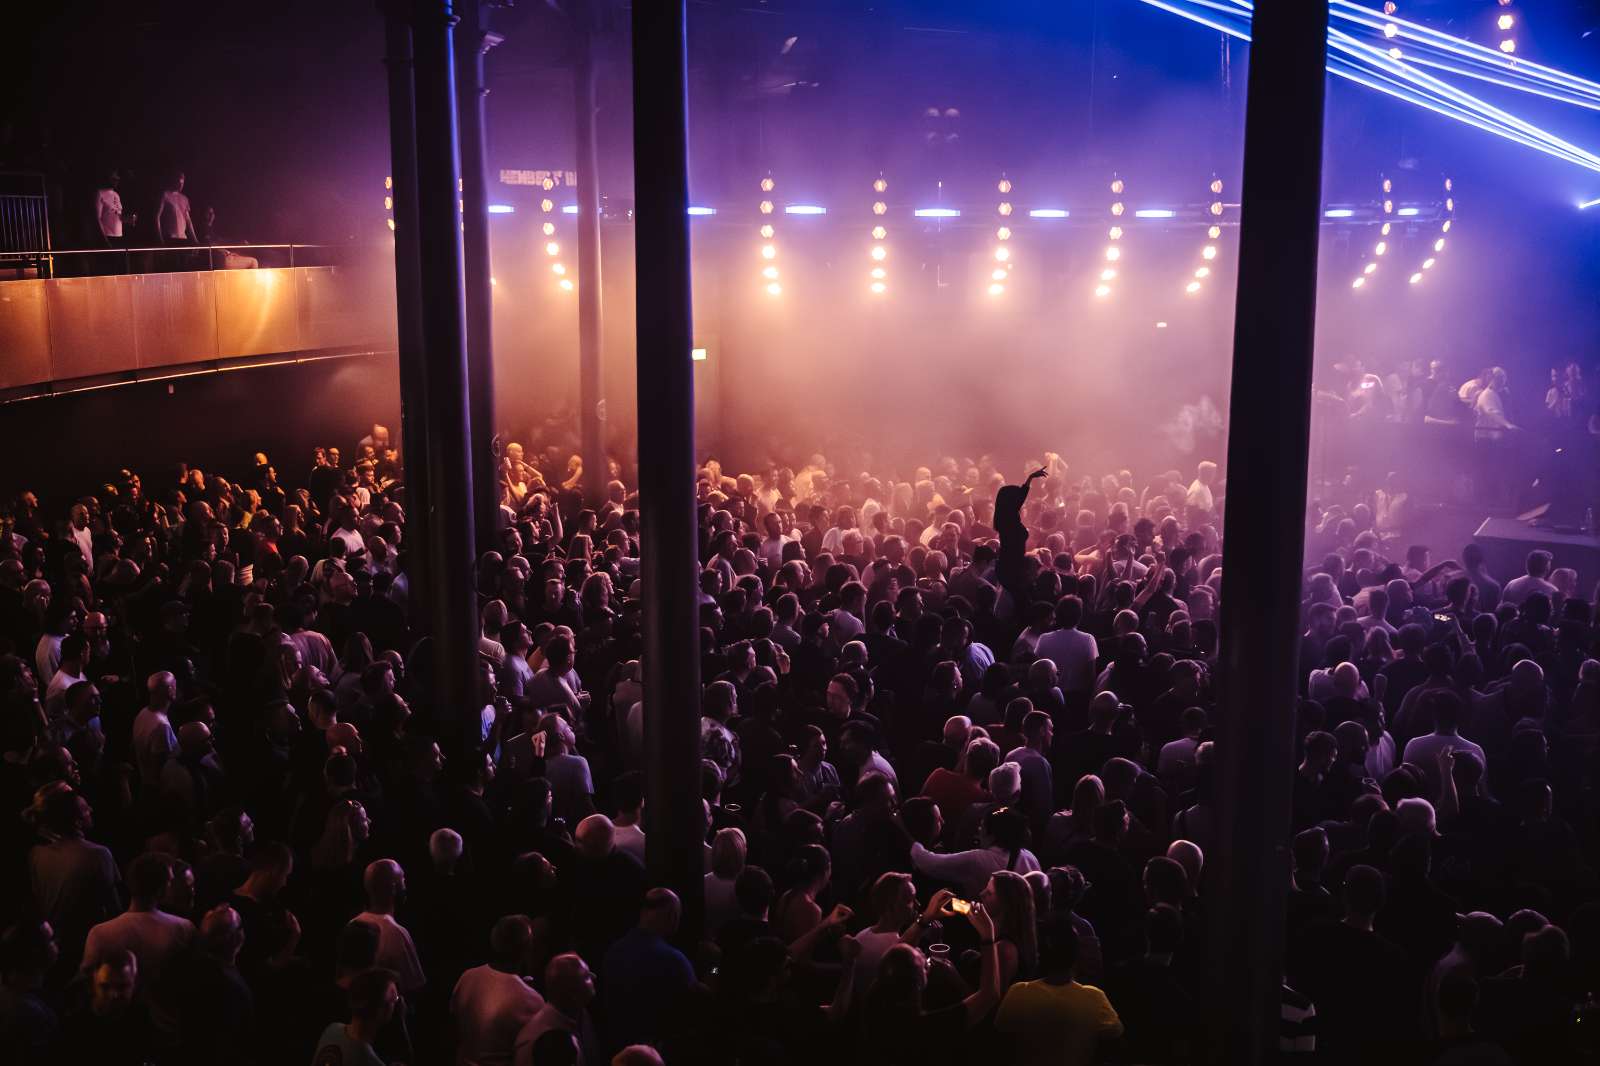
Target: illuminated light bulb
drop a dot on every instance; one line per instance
(1416, 277)
(566, 284)
(769, 251)
(879, 207)
(766, 207)
(995, 288)
(388, 182)
(1388, 186)
(1116, 233)
(879, 252)
(1192, 288)
(388, 203)
(999, 274)
(1102, 291)
(548, 184)
(1216, 185)
(1508, 46)
(1002, 254)
(1389, 7)
(1449, 203)
(1438, 245)
(1005, 208)
(1004, 186)
(1113, 253)
(1214, 232)
(558, 269)
(1449, 184)
(547, 205)
(1388, 207)
(879, 287)
(1116, 187)
(879, 233)
(494, 281)
(549, 229)
(1385, 229)
(1390, 29)
(391, 223)
(770, 273)
(1505, 22)
(1208, 252)
(1108, 274)
(879, 272)
(774, 289)
(1383, 246)
(1446, 227)
(766, 184)
(1202, 272)
(1427, 264)
(1369, 268)
(766, 231)
(1117, 208)
(1394, 53)
(1356, 284)
(880, 185)
(1161, 325)
(552, 248)
(1216, 207)
(1003, 233)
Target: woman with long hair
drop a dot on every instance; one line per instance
(797, 912)
(355, 660)
(1009, 899)
(1075, 824)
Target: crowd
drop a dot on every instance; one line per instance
(957, 779)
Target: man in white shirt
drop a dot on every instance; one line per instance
(627, 833)
(1199, 497)
(492, 1003)
(108, 211)
(155, 937)
(772, 546)
(153, 738)
(1424, 751)
(569, 984)
(894, 900)
(1536, 579)
(174, 221)
(385, 883)
(1490, 421)
(81, 534)
(1073, 651)
(74, 656)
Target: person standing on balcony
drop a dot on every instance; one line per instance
(174, 220)
(109, 214)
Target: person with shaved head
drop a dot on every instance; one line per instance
(385, 884)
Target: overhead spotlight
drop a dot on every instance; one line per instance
(805, 209)
(1388, 186)
(769, 251)
(1438, 245)
(1216, 207)
(879, 288)
(1427, 264)
(879, 273)
(547, 205)
(388, 205)
(547, 185)
(1003, 233)
(1389, 7)
(1005, 207)
(1385, 229)
(558, 269)
(1208, 252)
(1394, 53)
(1192, 288)
(1445, 226)
(1117, 209)
(552, 248)
(1102, 291)
(1048, 212)
(1117, 186)
(1356, 284)
(879, 252)
(1369, 268)
(766, 231)
(880, 185)
(1216, 185)
(1508, 46)
(1108, 274)
(774, 289)
(566, 285)
(1388, 207)
(1004, 186)
(770, 273)
(1380, 248)
(1202, 272)
(391, 223)
(700, 211)
(766, 207)
(1214, 232)
(1449, 203)
(766, 184)
(995, 288)
(999, 274)
(1390, 29)
(1161, 325)
(1002, 254)
(879, 207)
(388, 181)
(1113, 253)
(549, 229)
(698, 354)
(879, 233)
(1505, 22)
(1416, 277)
(1116, 233)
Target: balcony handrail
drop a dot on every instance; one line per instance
(161, 248)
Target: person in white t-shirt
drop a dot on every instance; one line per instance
(108, 212)
(491, 1003)
(174, 219)
(153, 738)
(1072, 650)
(385, 883)
(628, 834)
(155, 937)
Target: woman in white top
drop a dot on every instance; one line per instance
(1000, 848)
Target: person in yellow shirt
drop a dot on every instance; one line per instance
(1055, 1021)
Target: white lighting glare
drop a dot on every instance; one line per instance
(805, 209)
(1154, 212)
(1048, 212)
(930, 212)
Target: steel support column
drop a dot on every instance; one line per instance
(591, 394)
(449, 517)
(669, 555)
(408, 303)
(1268, 449)
(472, 42)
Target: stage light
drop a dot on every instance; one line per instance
(1388, 186)
(879, 252)
(995, 288)
(1154, 212)
(699, 211)
(558, 269)
(1005, 208)
(1192, 288)
(879, 288)
(1369, 268)
(1113, 253)
(766, 207)
(1108, 274)
(1505, 22)
(1382, 246)
(769, 251)
(1102, 291)
(1438, 245)
(1508, 46)
(1117, 186)
(1117, 208)
(1384, 230)
(1216, 185)
(774, 289)
(1202, 272)
(1388, 207)
(1161, 325)
(569, 209)
(1407, 212)
(1356, 284)
(766, 232)
(1445, 226)
(1389, 7)
(388, 181)
(1416, 277)
(1004, 186)
(999, 274)
(697, 354)
(879, 273)
(1002, 254)
(552, 248)
(1449, 204)
(1003, 233)
(1048, 212)
(1116, 233)
(769, 272)
(1427, 264)
(1214, 232)
(566, 285)
(880, 185)
(928, 212)
(549, 229)
(494, 209)
(879, 233)
(1216, 207)
(547, 205)
(1338, 212)
(546, 185)
(805, 209)
(1394, 53)
(767, 184)
(1583, 206)
(388, 205)
(1390, 29)
(880, 208)
(1208, 252)
(391, 224)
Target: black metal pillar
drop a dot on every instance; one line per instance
(408, 303)
(669, 554)
(1268, 448)
(591, 395)
(472, 41)
(449, 517)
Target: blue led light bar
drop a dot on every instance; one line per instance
(1338, 212)
(501, 209)
(936, 212)
(1407, 212)
(570, 209)
(697, 211)
(805, 209)
(1154, 212)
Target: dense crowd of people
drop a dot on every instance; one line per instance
(957, 776)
